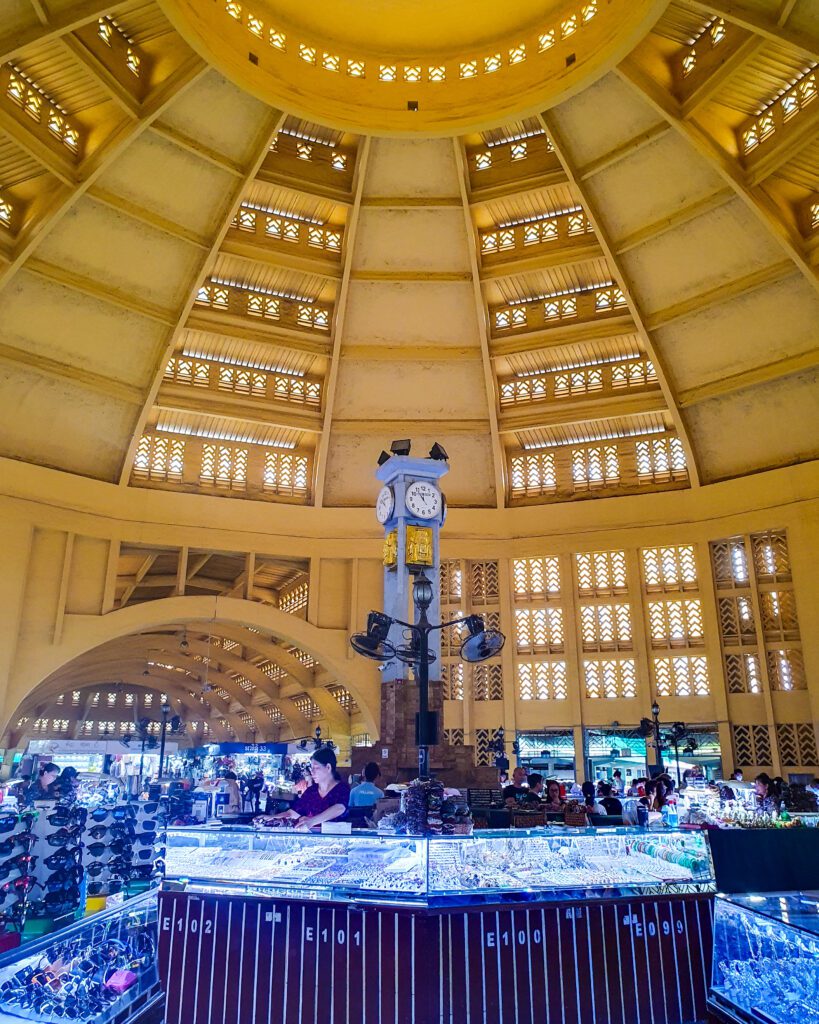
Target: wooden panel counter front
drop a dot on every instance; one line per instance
(231, 959)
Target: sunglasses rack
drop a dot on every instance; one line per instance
(40, 874)
(121, 847)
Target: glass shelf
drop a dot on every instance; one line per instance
(519, 864)
(766, 958)
(99, 970)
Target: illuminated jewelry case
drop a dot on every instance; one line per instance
(370, 927)
(102, 969)
(766, 958)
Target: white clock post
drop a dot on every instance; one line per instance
(412, 509)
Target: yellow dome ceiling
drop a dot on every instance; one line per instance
(421, 67)
(202, 293)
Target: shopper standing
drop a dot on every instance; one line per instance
(65, 788)
(230, 785)
(366, 793)
(517, 792)
(255, 786)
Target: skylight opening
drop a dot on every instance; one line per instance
(27, 95)
(593, 438)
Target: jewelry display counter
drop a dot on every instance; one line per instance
(766, 958)
(553, 924)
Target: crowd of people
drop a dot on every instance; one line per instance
(531, 791)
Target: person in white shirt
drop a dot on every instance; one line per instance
(366, 793)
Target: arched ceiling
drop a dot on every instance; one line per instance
(246, 686)
(613, 294)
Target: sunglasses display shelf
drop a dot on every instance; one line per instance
(766, 958)
(123, 847)
(45, 874)
(102, 969)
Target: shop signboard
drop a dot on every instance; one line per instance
(221, 749)
(47, 748)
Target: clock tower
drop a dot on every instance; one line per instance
(412, 509)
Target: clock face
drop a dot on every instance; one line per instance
(423, 500)
(385, 504)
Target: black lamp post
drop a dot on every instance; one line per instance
(658, 741)
(481, 644)
(651, 727)
(166, 710)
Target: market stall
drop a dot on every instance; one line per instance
(302, 925)
(766, 958)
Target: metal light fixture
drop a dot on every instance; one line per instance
(401, 447)
(422, 592)
(384, 457)
(438, 452)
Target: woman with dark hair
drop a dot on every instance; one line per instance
(326, 800)
(65, 788)
(589, 802)
(43, 787)
(660, 797)
(767, 797)
(554, 802)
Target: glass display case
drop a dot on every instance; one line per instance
(518, 864)
(101, 969)
(766, 958)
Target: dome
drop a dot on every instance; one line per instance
(415, 68)
(244, 246)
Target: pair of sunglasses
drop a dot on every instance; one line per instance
(25, 862)
(63, 836)
(63, 858)
(24, 839)
(104, 888)
(64, 817)
(145, 873)
(10, 821)
(23, 884)
(119, 813)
